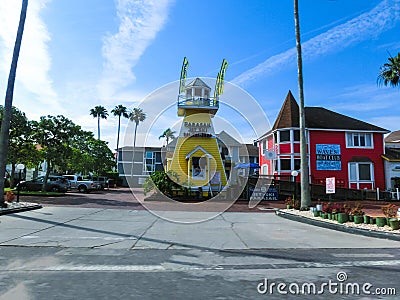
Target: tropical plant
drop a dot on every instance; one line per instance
(168, 134)
(357, 210)
(389, 210)
(390, 72)
(136, 115)
(99, 112)
(305, 186)
(161, 181)
(6, 122)
(119, 111)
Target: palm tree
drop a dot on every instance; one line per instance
(167, 134)
(136, 115)
(305, 191)
(99, 112)
(6, 122)
(390, 72)
(120, 111)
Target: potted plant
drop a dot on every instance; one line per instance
(326, 210)
(358, 213)
(9, 196)
(380, 221)
(389, 211)
(289, 202)
(319, 205)
(394, 223)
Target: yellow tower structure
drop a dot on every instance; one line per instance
(196, 159)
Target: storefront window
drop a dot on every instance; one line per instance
(284, 136)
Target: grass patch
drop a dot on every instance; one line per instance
(35, 193)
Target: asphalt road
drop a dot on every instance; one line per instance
(108, 246)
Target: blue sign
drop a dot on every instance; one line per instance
(328, 157)
(264, 194)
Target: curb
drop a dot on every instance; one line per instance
(339, 227)
(19, 209)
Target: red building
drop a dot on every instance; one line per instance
(339, 146)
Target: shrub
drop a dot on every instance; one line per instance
(357, 210)
(327, 207)
(389, 210)
(162, 181)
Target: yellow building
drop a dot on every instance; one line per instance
(196, 158)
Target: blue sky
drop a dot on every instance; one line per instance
(80, 53)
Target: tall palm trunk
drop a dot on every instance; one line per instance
(5, 125)
(119, 127)
(134, 137)
(305, 185)
(98, 127)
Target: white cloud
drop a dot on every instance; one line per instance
(140, 21)
(365, 97)
(34, 60)
(381, 18)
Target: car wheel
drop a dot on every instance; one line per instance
(82, 189)
(55, 189)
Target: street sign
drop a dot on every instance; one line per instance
(330, 185)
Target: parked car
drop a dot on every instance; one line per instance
(54, 184)
(82, 185)
(101, 182)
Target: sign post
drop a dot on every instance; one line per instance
(330, 186)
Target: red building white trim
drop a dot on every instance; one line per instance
(339, 146)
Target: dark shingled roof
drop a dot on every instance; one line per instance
(289, 113)
(319, 118)
(198, 82)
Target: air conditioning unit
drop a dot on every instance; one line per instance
(270, 154)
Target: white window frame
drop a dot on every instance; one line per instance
(357, 180)
(350, 137)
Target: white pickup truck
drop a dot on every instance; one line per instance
(82, 185)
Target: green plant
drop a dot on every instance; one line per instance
(162, 181)
(389, 210)
(357, 210)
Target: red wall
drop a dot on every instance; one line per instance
(337, 137)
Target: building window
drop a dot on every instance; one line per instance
(296, 135)
(286, 164)
(149, 165)
(284, 136)
(360, 172)
(359, 140)
(297, 164)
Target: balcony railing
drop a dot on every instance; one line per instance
(198, 102)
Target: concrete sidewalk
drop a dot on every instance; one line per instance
(140, 229)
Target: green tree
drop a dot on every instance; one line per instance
(99, 112)
(6, 122)
(168, 134)
(55, 135)
(390, 72)
(119, 111)
(21, 148)
(89, 155)
(305, 185)
(136, 115)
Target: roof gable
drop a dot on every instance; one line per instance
(289, 114)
